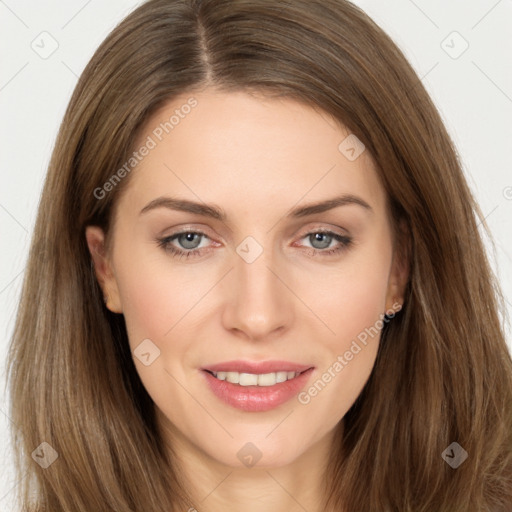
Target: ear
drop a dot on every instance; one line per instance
(103, 268)
(399, 274)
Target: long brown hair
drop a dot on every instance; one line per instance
(443, 373)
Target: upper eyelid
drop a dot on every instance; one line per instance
(314, 229)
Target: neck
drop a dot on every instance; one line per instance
(297, 486)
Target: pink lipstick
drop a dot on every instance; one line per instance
(256, 386)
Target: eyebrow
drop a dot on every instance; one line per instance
(213, 211)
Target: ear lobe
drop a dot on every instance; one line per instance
(95, 238)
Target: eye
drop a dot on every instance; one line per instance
(321, 241)
(188, 243)
(189, 240)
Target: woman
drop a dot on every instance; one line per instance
(256, 280)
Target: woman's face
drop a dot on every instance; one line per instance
(263, 275)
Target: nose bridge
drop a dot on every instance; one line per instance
(259, 302)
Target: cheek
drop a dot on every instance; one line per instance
(350, 296)
(358, 303)
(352, 305)
(156, 298)
(155, 295)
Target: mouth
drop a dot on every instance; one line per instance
(256, 387)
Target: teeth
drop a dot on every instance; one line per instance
(252, 379)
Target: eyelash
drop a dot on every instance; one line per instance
(165, 243)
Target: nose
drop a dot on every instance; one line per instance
(258, 304)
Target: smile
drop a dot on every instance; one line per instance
(256, 392)
(254, 379)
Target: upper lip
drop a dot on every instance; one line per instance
(259, 367)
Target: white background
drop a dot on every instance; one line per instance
(473, 93)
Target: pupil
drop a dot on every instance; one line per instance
(189, 239)
(321, 237)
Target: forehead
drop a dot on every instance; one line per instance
(245, 152)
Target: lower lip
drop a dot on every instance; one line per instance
(257, 398)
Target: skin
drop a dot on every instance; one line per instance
(256, 159)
